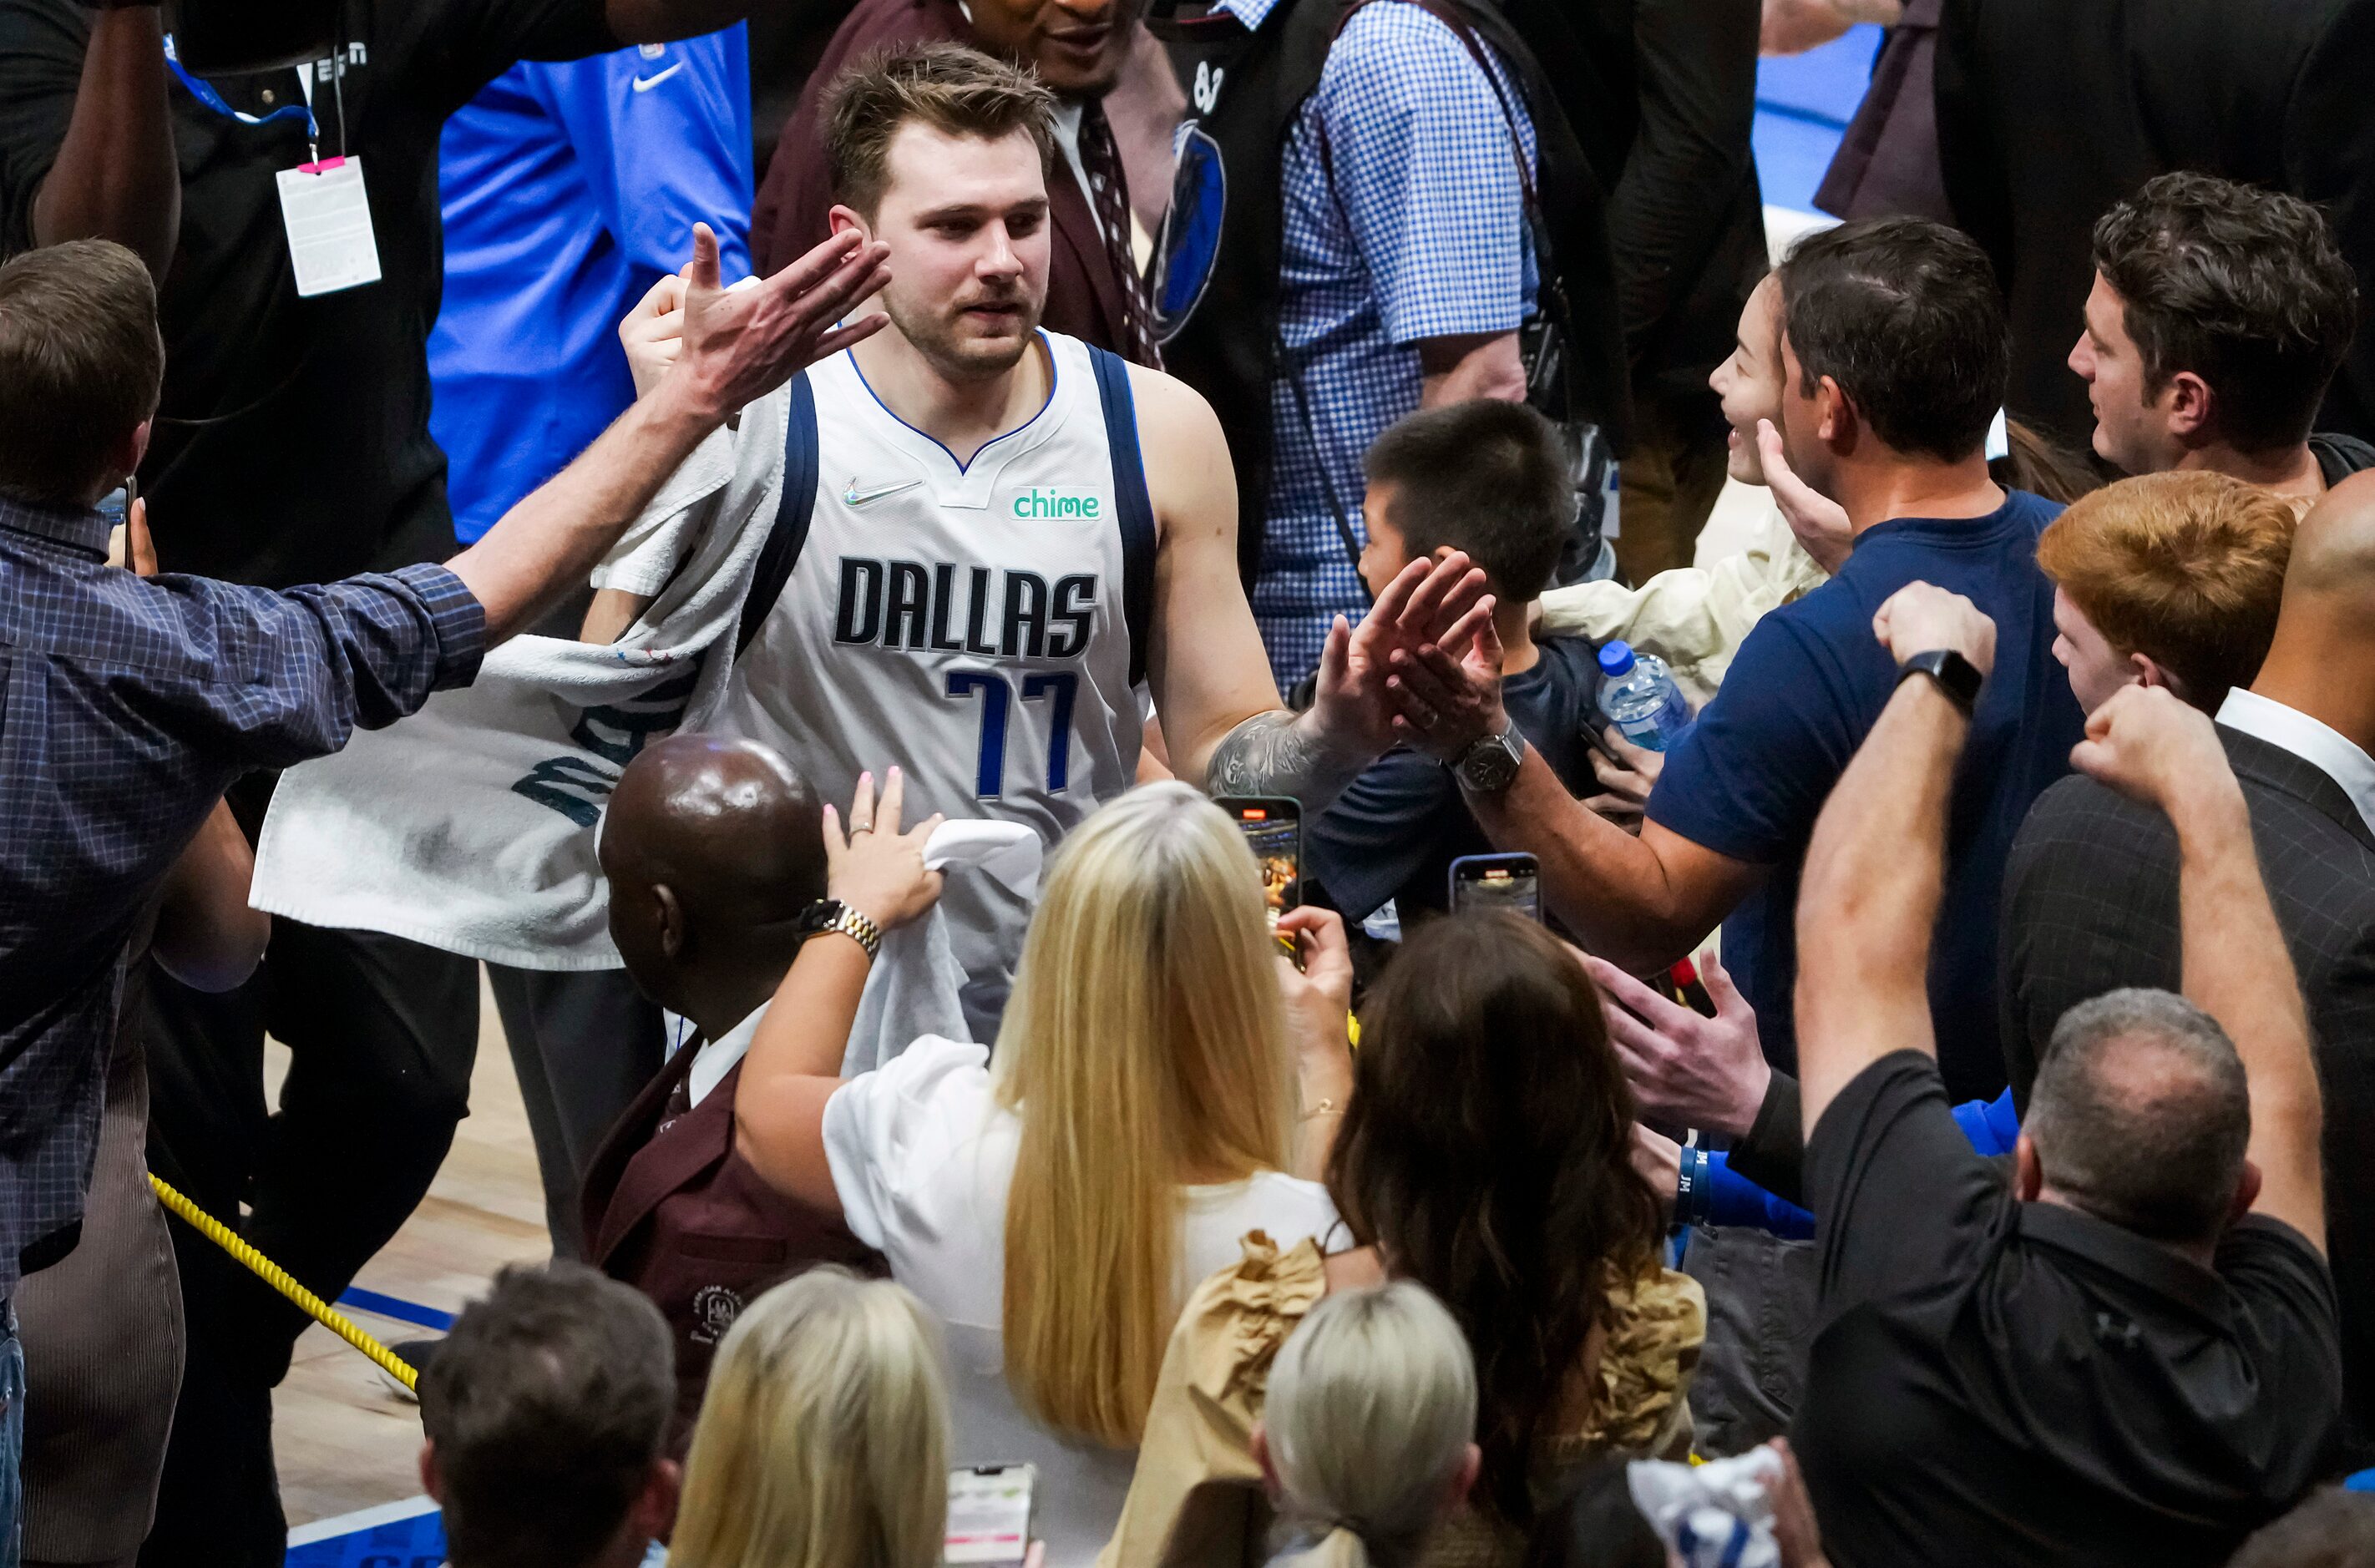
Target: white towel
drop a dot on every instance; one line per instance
(913, 988)
(470, 826)
(917, 981)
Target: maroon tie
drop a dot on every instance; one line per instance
(1109, 199)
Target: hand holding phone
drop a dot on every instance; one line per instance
(1273, 828)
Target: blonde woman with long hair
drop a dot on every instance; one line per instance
(1365, 1438)
(824, 1440)
(1161, 1076)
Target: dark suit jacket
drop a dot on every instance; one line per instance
(1084, 296)
(2090, 904)
(2049, 111)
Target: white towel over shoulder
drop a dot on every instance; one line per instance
(470, 826)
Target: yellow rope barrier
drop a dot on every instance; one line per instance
(280, 1279)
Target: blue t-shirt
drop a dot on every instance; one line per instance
(568, 188)
(1806, 689)
(1396, 829)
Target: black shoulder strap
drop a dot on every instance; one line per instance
(1133, 509)
(789, 532)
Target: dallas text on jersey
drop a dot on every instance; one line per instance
(919, 606)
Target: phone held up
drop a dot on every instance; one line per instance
(1273, 828)
(989, 1514)
(1498, 882)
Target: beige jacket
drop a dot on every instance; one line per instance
(1692, 618)
(1195, 1500)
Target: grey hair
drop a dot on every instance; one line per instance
(1371, 1406)
(2140, 1114)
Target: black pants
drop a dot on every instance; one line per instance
(381, 1034)
(1760, 1308)
(584, 1046)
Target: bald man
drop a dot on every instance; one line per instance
(2090, 892)
(714, 850)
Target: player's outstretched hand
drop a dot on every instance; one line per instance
(1441, 603)
(875, 868)
(1443, 706)
(741, 344)
(2152, 748)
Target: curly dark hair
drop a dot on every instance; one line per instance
(1486, 1153)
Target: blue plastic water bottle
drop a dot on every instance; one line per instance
(1640, 697)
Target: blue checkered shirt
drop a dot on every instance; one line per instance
(1404, 219)
(127, 707)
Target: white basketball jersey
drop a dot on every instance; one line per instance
(966, 622)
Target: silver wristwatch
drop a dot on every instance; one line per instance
(1490, 764)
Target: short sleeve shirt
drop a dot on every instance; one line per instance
(1402, 219)
(1807, 687)
(922, 1155)
(1993, 1382)
(1395, 831)
(292, 443)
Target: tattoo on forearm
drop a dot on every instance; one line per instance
(1273, 753)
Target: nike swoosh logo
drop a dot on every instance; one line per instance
(853, 497)
(645, 84)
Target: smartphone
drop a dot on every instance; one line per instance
(117, 505)
(1273, 828)
(989, 1514)
(1498, 882)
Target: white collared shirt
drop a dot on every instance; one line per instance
(2320, 746)
(717, 1057)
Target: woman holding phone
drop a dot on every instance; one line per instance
(1488, 1156)
(1164, 1083)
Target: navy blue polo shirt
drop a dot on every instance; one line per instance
(1806, 689)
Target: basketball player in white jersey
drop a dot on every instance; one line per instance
(992, 561)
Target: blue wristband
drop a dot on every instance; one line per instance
(1691, 1188)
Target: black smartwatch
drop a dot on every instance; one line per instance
(1956, 677)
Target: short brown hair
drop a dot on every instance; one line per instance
(80, 365)
(955, 89)
(2245, 288)
(548, 1402)
(2185, 568)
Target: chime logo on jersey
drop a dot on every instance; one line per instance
(1046, 500)
(942, 607)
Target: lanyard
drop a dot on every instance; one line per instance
(205, 93)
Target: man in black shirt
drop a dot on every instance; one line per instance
(291, 445)
(1488, 478)
(2131, 1353)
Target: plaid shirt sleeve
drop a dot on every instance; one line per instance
(323, 661)
(1423, 163)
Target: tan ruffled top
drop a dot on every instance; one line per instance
(1195, 1500)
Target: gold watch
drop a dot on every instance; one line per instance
(831, 915)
